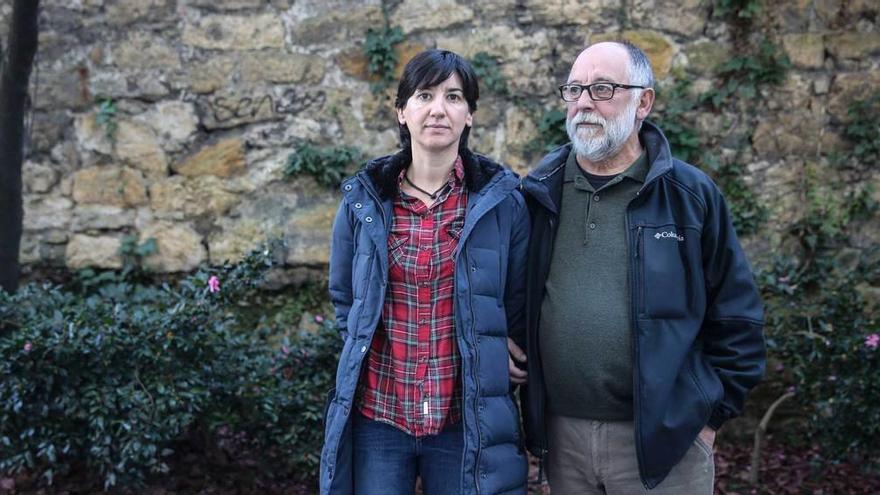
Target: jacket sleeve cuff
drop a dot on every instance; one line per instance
(718, 417)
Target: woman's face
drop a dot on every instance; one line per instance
(436, 116)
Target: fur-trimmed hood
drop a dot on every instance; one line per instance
(384, 172)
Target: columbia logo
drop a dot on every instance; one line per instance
(669, 235)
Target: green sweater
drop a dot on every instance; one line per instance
(585, 328)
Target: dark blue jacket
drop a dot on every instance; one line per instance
(489, 306)
(696, 313)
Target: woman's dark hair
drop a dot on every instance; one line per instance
(430, 68)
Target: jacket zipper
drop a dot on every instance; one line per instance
(474, 367)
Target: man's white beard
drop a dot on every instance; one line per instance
(600, 148)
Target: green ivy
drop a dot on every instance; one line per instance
(742, 76)
(551, 132)
(748, 213)
(674, 117)
(740, 9)
(381, 56)
(106, 117)
(863, 129)
(488, 71)
(328, 165)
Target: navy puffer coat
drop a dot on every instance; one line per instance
(489, 307)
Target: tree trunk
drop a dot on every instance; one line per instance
(15, 72)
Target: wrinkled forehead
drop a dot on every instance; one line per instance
(608, 62)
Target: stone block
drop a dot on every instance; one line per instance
(849, 87)
(705, 57)
(238, 237)
(280, 67)
(122, 12)
(92, 136)
(186, 197)
(38, 177)
(656, 46)
(422, 15)
(235, 32)
(179, 247)
(308, 235)
(64, 86)
(85, 251)
(46, 212)
(336, 26)
(223, 158)
(150, 84)
(101, 217)
(226, 4)
(567, 12)
(137, 146)
(853, 45)
(174, 122)
(145, 51)
(354, 62)
(213, 74)
(112, 185)
(805, 50)
(682, 17)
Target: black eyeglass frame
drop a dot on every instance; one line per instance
(588, 88)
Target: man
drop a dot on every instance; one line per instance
(645, 325)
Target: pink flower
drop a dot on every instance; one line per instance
(28, 347)
(213, 284)
(284, 349)
(319, 319)
(872, 341)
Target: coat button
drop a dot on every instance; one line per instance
(363, 349)
(596, 197)
(347, 187)
(368, 219)
(358, 205)
(592, 225)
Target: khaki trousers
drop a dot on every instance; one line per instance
(589, 457)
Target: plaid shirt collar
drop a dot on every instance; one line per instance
(455, 180)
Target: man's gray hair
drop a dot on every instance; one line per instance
(640, 71)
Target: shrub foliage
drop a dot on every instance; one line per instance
(113, 380)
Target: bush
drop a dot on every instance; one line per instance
(115, 380)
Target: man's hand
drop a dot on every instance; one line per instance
(517, 375)
(707, 435)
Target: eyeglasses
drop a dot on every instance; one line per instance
(597, 91)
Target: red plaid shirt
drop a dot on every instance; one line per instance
(412, 377)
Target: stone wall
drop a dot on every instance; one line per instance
(212, 96)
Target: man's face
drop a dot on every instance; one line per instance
(599, 129)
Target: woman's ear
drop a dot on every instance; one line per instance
(400, 118)
(469, 121)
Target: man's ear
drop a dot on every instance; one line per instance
(646, 103)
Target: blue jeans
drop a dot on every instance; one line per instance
(387, 460)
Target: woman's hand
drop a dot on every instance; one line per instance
(517, 375)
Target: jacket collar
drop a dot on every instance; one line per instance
(384, 172)
(487, 181)
(544, 182)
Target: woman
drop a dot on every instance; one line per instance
(426, 276)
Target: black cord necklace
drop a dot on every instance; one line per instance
(432, 195)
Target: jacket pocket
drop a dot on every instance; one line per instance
(670, 271)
